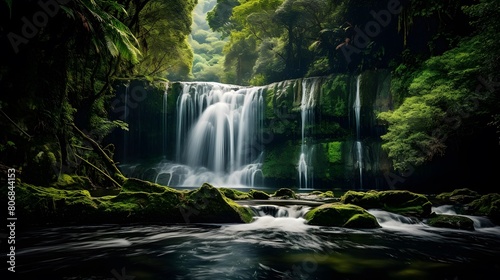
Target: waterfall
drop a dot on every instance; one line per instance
(307, 104)
(318, 131)
(358, 143)
(165, 122)
(218, 136)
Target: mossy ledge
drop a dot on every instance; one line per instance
(138, 202)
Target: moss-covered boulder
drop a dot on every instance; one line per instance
(341, 215)
(256, 194)
(451, 221)
(207, 204)
(285, 193)
(396, 201)
(48, 205)
(457, 196)
(487, 205)
(234, 194)
(157, 205)
(138, 202)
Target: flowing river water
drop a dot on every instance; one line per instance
(278, 244)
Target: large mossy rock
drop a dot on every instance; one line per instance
(285, 193)
(208, 205)
(234, 194)
(451, 221)
(487, 205)
(256, 194)
(48, 205)
(341, 215)
(396, 201)
(457, 196)
(142, 202)
(138, 202)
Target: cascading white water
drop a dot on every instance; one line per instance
(307, 104)
(165, 121)
(218, 132)
(479, 222)
(359, 145)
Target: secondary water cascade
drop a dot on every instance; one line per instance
(307, 105)
(359, 146)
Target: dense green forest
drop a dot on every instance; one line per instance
(63, 59)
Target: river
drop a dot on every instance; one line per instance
(278, 244)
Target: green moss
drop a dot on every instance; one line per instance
(335, 152)
(327, 162)
(397, 201)
(365, 220)
(73, 182)
(366, 200)
(457, 196)
(341, 215)
(256, 194)
(209, 205)
(327, 194)
(277, 166)
(486, 205)
(136, 185)
(235, 194)
(334, 96)
(451, 221)
(285, 192)
(38, 205)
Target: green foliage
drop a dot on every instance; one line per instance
(207, 46)
(110, 32)
(218, 17)
(162, 28)
(442, 97)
